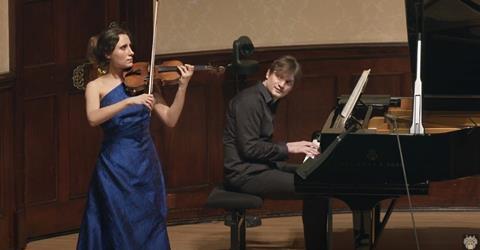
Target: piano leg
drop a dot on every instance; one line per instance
(383, 223)
(364, 228)
(329, 226)
(367, 226)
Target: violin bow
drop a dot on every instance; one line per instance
(154, 43)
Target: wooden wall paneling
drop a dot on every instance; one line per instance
(62, 212)
(80, 27)
(53, 35)
(183, 149)
(19, 230)
(204, 108)
(138, 16)
(379, 84)
(38, 48)
(216, 120)
(38, 33)
(41, 147)
(7, 145)
(85, 19)
(453, 193)
(459, 194)
(6, 162)
(112, 11)
(80, 21)
(84, 147)
(41, 114)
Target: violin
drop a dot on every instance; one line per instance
(137, 77)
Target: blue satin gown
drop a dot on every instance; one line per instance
(126, 206)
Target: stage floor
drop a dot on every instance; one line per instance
(436, 230)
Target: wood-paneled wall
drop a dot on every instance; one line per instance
(52, 37)
(6, 160)
(54, 149)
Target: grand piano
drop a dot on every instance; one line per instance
(373, 155)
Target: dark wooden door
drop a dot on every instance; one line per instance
(56, 148)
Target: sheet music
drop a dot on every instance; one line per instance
(352, 100)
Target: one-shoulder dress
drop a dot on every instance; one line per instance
(126, 205)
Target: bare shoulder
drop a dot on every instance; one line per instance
(93, 87)
(94, 83)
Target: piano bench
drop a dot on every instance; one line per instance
(236, 204)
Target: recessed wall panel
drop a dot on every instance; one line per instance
(41, 150)
(84, 147)
(38, 33)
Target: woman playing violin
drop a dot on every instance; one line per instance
(126, 206)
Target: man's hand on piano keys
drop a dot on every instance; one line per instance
(310, 148)
(316, 142)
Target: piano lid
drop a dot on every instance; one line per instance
(451, 50)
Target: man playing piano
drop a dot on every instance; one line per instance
(254, 164)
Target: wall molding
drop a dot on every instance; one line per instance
(348, 50)
(7, 80)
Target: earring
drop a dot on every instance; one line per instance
(101, 71)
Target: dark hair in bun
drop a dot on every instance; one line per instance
(103, 44)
